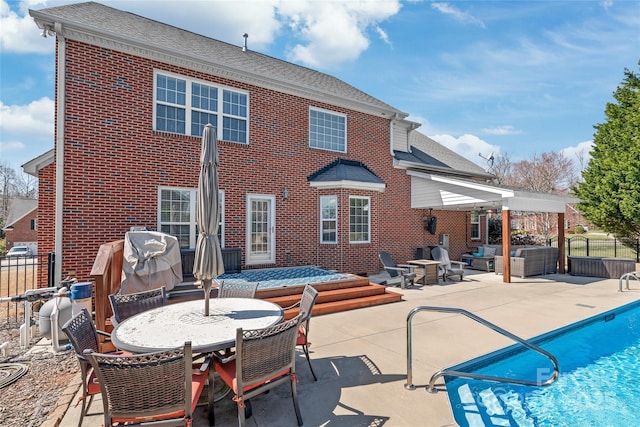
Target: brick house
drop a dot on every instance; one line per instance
(21, 228)
(312, 170)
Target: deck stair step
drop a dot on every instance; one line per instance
(335, 296)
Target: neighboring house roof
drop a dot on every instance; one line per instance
(111, 28)
(346, 173)
(19, 209)
(427, 154)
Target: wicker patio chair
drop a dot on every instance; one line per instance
(83, 335)
(231, 289)
(160, 388)
(264, 359)
(306, 303)
(127, 305)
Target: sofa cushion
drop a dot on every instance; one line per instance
(518, 252)
(480, 251)
(489, 252)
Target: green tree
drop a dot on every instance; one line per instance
(610, 192)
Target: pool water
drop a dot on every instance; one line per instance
(598, 384)
(291, 276)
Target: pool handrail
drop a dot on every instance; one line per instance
(431, 387)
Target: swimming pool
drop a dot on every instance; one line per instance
(599, 360)
(290, 276)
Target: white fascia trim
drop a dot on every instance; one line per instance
(503, 192)
(353, 185)
(33, 166)
(405, 164)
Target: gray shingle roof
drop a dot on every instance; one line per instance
(262, 70)
(345, 170)
(438, 156)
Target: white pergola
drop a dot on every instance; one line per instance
(433, 191)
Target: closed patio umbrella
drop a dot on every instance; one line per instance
(208, 264)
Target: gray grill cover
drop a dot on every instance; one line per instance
(151, 260)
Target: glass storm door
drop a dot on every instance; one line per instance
(261, 229)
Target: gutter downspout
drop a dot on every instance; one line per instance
(60, 107)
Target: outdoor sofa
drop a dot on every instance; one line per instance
(531, 261)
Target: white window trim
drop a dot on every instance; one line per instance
(328, 112)
(188, 108)
(193, 197)
(355, 242)
(474, 237)
(322, 220)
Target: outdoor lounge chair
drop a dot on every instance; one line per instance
(83, 335)
(229, 289)
(445, 268)
(306, 303)
(127, 305)
(264, 359)
(401, 273)
(160, 388)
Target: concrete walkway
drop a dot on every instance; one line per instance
(360, 355)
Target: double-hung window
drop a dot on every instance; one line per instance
(185, 106)
(359, 219)
(328, 219)
(177, 215)
(327, 130)
(475, 225)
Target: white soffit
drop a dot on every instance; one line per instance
(442, 192)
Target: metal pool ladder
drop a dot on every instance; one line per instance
(431, 387)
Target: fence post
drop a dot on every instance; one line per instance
(51, 268)
(587, 239)
(615, 248)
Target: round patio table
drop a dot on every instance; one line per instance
(170, 326)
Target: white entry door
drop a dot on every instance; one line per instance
(261, 229)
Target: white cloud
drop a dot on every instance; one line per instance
(468, 146)
(333, 32)
(458, 15)
(579, 154)
(502, 130)
(27, 130)
(34, 119)
(19, 33)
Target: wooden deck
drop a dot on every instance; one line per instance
(340, 295)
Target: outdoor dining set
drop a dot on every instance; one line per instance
(167, 355)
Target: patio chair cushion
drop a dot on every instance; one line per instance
(227, 372)
(480, 251)
(198, 381)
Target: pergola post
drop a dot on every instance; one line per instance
(506, 245)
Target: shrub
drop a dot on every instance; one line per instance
(579, 229)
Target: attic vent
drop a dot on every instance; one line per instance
(246, 36)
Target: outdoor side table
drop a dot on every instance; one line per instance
(429, 268)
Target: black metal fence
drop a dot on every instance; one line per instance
(610, 248)
(20, 274)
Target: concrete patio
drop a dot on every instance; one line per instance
(360, 355)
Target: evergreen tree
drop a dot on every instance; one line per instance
(610, 192)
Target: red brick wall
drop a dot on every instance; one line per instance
(115, 163)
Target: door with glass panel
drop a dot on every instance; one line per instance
(261, 229)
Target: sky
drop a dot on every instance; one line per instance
(502, 78)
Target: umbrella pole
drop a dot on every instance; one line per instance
(206, 283)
